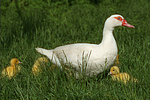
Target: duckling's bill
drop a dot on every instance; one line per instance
(110, 73)
(20, 62)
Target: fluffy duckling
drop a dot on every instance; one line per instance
(117, 60)
(36, 69)
(123, 77)
(13, 69)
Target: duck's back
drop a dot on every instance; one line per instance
(124, 77)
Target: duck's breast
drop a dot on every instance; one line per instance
(101, 59)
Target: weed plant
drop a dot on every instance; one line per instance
(27, 24)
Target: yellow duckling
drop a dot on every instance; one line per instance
(123, 77)
(117, 60)
(36, 69)
(12, 70)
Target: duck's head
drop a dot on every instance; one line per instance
(114, 70)
(116, 20)
(14, 61)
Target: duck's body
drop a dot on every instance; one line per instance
(90, 59)
(86, 55)
(36, 69)
(123, 77)
(12, 70)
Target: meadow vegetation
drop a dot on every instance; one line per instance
(27, 24)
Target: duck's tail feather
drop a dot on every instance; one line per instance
(50, 54)
(134, 80)
(44, 51)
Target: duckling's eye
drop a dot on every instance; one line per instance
(113, 70)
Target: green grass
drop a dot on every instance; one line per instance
(55, 24)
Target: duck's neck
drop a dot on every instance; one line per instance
(108, 38)
(13, 65)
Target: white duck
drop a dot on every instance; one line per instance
(89, 59)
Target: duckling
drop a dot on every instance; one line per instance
(12, 70)
(123, 77)
(117, 60)
(36, 67)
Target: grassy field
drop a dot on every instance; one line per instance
(28, 24)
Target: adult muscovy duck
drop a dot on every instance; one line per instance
(89, 59)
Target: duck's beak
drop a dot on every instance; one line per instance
(110, 73)
(125, 23)
(20, 62)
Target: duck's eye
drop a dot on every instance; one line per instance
(113, 70)
(118, 18)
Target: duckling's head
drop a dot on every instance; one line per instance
(42, 59)
(114, 70)
(14, 61)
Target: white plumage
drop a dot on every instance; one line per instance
(89, 59)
